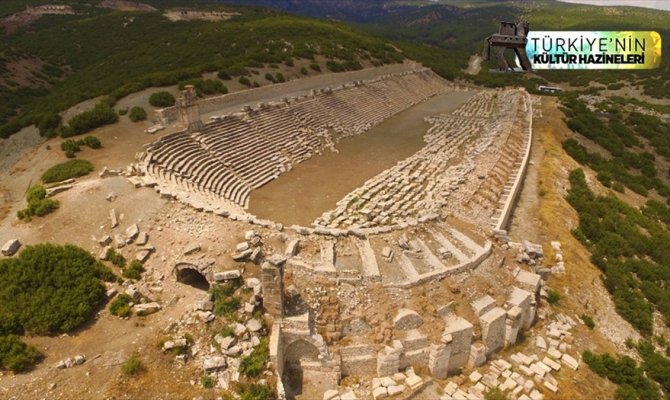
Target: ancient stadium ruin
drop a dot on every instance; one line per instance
(433, 216)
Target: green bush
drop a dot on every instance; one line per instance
(48, 124)
(115, 258)
(588, 321)
(120, 306)
(132, 366)
(207, 382)
(269, 77)
(70, 147)
(224, 75)
(315, 67)
(553, 297)
(38, 204)
(92, 142)
(101, 114)
(134, 270)
(227, 331)
(17, 356)
(279, 78)
(225, 303)
(50, 289)
(210, 86)
(254, 364)
(123, 111)
(255, 391)
(245, 81)
(137, 114)
(162, 99)
(67, 170)
(625, 373)
(304, 71)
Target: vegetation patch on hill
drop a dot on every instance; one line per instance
(46, 290)
(632, 248)
(38, 204)
(623, 137)
(117, 53)
(66, 170)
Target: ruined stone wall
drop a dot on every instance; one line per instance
(515, 190)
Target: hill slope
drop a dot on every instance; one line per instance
(455, 29)
(61, 60)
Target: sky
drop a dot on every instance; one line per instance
(657, 4)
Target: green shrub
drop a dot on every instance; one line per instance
(101, 114)
(123, 111)
(553, 297)
(289, 62)
(132, 366)
(255, 391)
(315, 67)
(134, 270)
(92, 142)
(279, 78)
(304, 71)
(334, 66)
(605, 178)
(70, 147)
(618, 186)
(48, 124)
(137, 114)
(50, 289)
(211, 86)
(225, 303)
(588, 321)
(269, 77)
(17, 356)
(238, 70)
(245, 81)
(115, 258)
(67, 170)
(120, 306)
(227, 331)
(625, 373)
(224, 75)
(38, 204)
(207, 382)
(162, 99)
(254, 364)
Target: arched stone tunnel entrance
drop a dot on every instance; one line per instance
(301, 358)
(192, 277)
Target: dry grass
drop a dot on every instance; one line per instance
(581, 286)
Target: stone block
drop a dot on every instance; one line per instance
(459, 331)
(529, 281)
(407, 319)
(493, 329)
(483, 304)
(11, 247)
